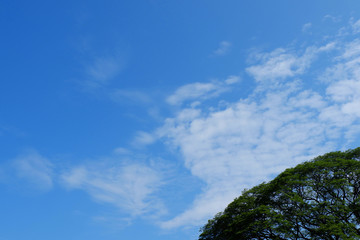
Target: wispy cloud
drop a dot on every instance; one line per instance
(200, 91)
(143, 139)
(332, 18)
(306, 27)
(245, 144)
(355, 26)
(128, 187)
(284, 63)
(223, 49)
(102, 70)
(34, 168)
(276, 127)
(122, 96)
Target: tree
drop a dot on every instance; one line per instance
(318, 199)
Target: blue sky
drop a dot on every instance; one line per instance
(143, 119)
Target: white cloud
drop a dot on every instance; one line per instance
(35, 168)
(344, 89)
(345, 74)
(282, 63)
(129, 187)
(306, 27)
(332, 18)
(352, 49)
(232, 79)
(201, 91)
(356, 26)
(279, 64)
(245, 144)
(255, 138)
(191, 91)
(203, 204)
(223, 48)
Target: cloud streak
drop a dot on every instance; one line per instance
(201, 91)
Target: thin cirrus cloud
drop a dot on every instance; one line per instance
(276, 127)
(201, 91)
(102, 70)
(332, 18)
(306, 27)
(35, 169)
(143, 138)
(122, 96)
(223, 48)
(355, 26)
(130, 188)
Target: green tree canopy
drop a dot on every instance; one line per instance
(318, 199)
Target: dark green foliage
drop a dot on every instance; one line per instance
(319, 199)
